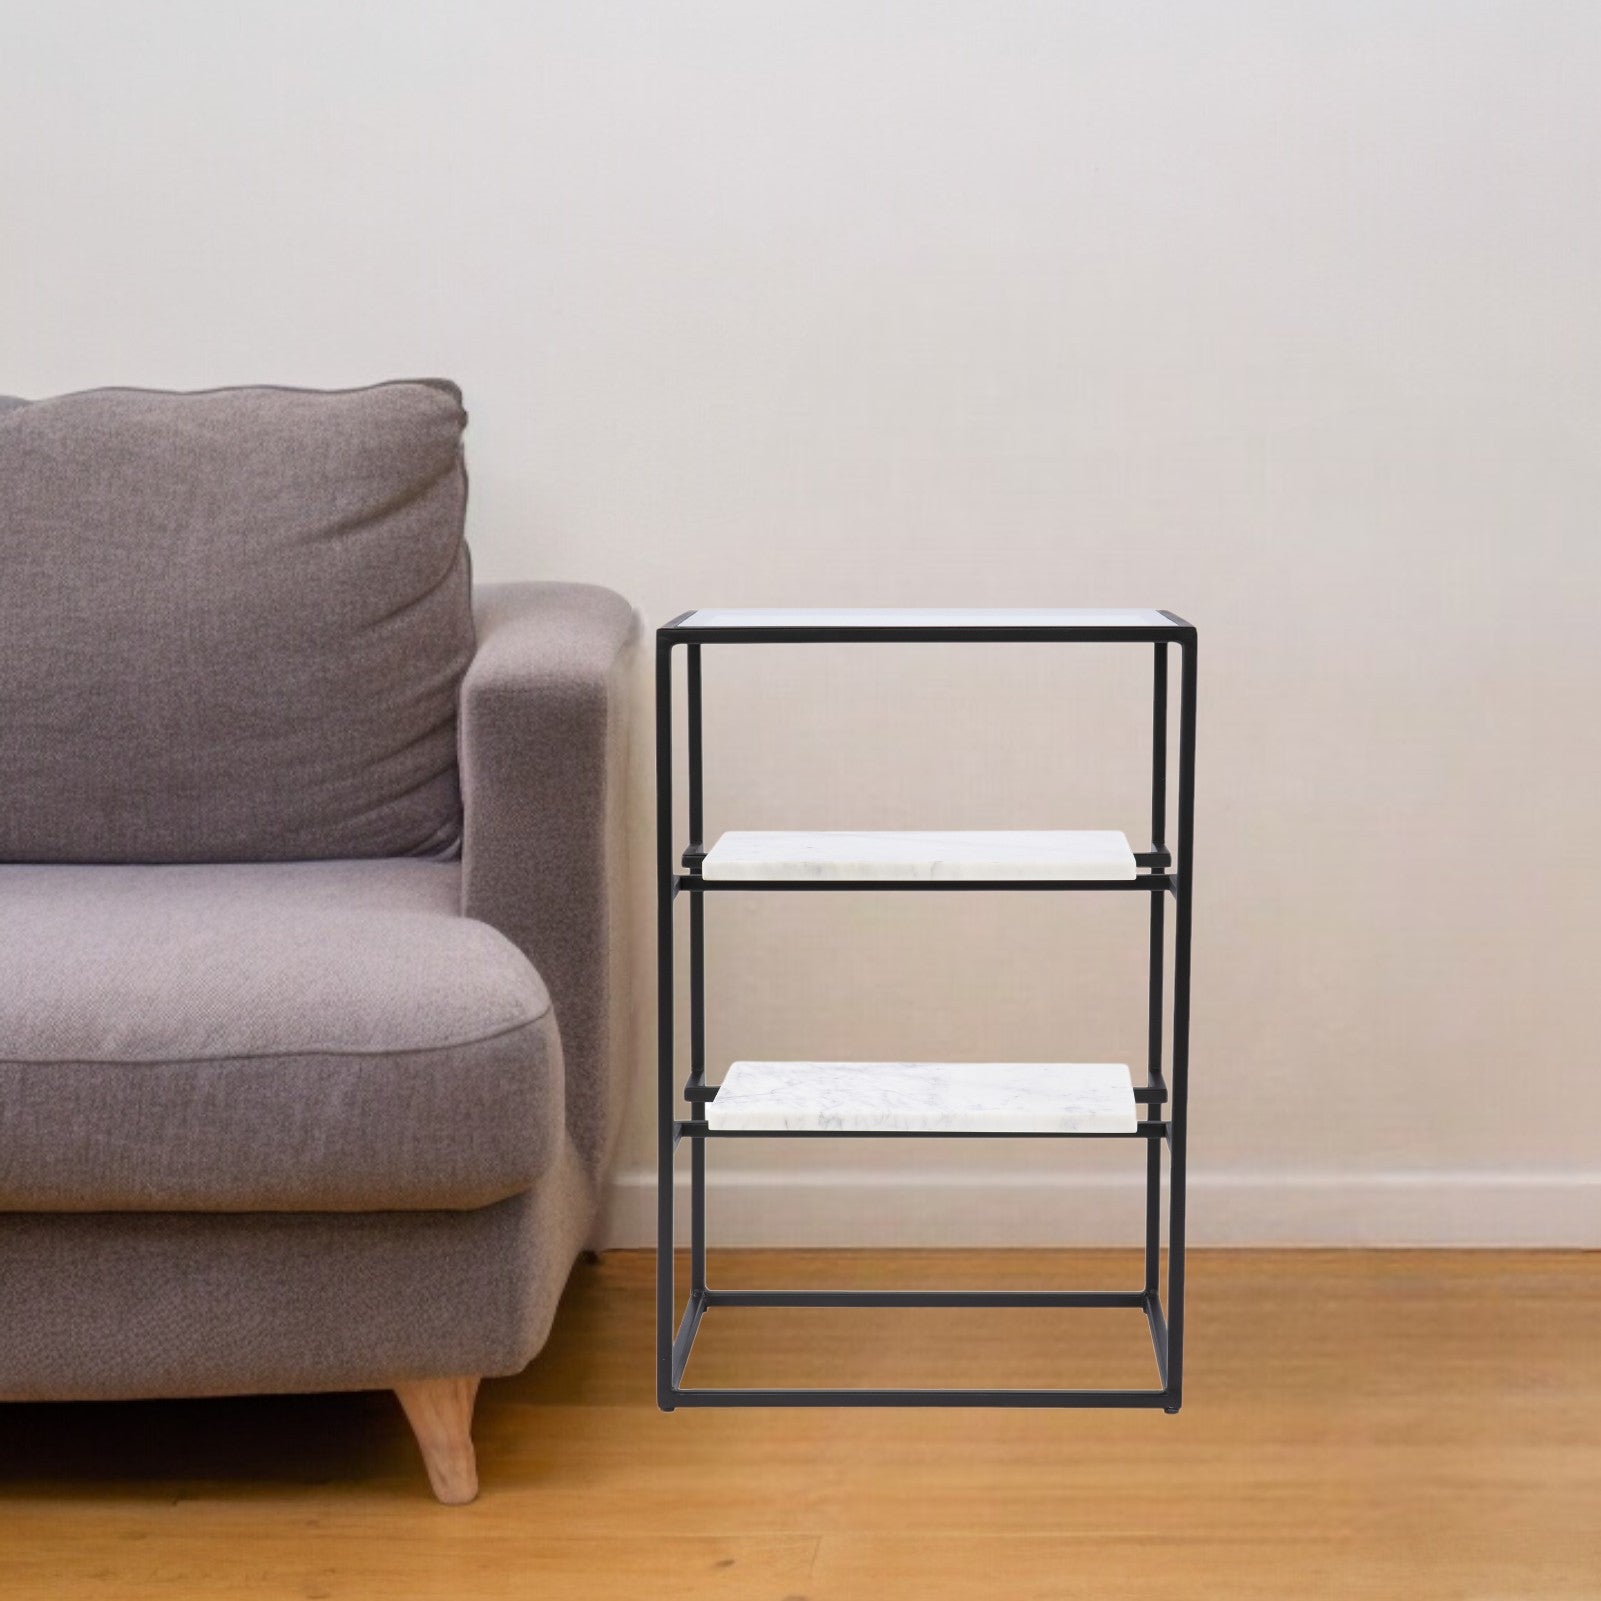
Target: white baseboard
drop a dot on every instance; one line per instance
(852, 1207)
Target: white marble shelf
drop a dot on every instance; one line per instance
(926, 618)
(939, 1097)
(931, 855)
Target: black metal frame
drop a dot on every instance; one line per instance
(1159, 876)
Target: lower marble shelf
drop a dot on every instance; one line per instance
(939, 1097)
(927, 855)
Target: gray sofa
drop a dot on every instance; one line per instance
(309, 1058)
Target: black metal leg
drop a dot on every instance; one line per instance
(1153, 1217)
(697, 985)
(1158, 960)
(1181, 1021)
(665, 1093)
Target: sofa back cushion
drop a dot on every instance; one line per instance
(233, 624)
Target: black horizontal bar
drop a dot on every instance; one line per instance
(1152, 1094)
(694, 883)
(809, 1397)
(708, 1092)
(1151, 1130)
(927, 1298)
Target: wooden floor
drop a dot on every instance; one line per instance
(1357, 1425)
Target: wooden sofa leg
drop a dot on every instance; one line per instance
(440, 1412)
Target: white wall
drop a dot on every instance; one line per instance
(1282, 316)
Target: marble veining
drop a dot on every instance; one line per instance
(931, 854)
(928, 617)
(994, 1097)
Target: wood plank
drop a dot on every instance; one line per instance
(1406, 1424)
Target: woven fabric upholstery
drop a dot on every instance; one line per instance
(110, 1305)
(300, 1120)
(233, 624)
(544, 742)
(313, 1036)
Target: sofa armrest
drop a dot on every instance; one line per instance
(543, 742)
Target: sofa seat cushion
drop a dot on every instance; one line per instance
(315, 1036)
